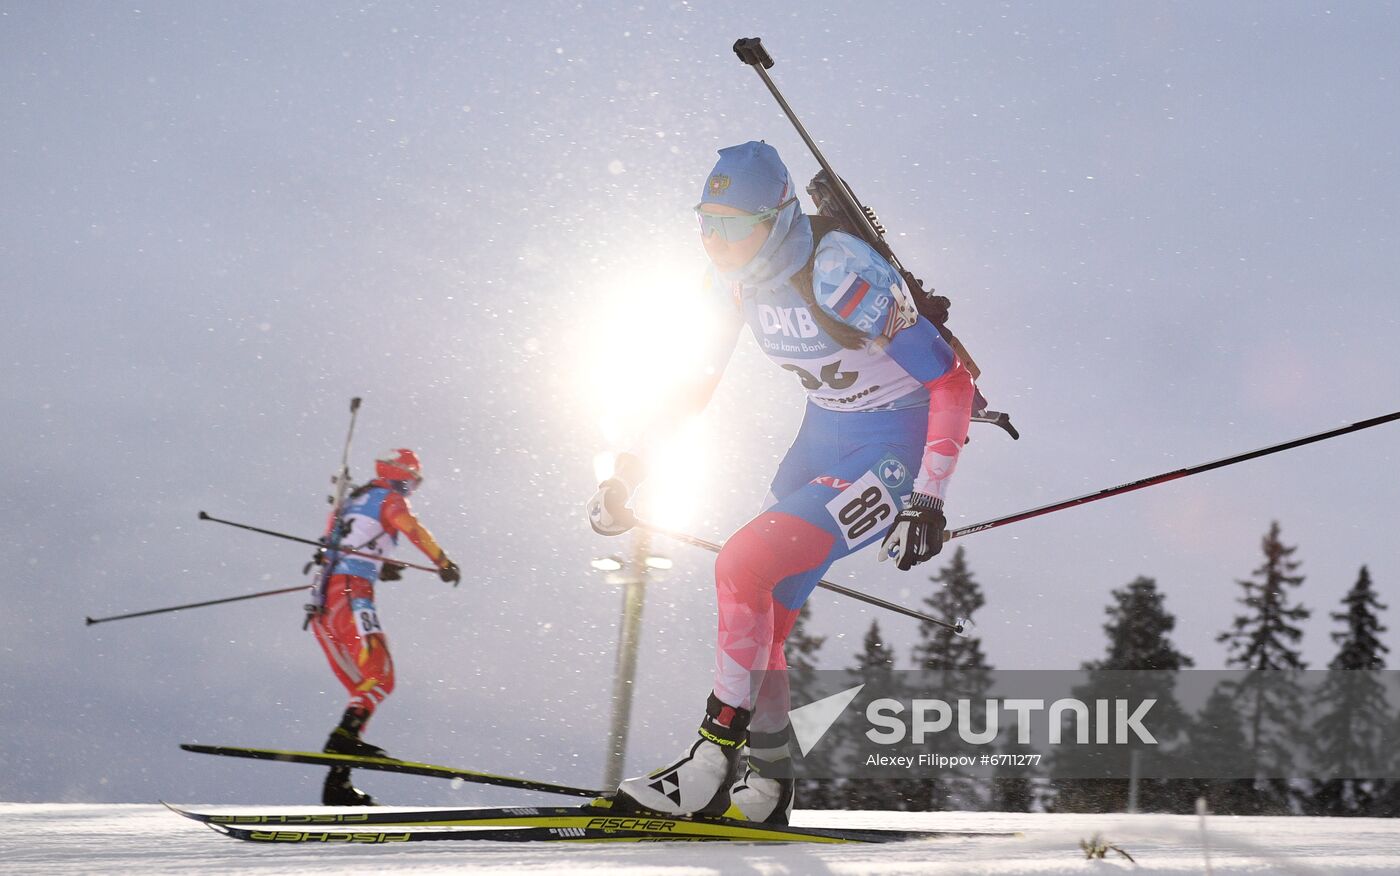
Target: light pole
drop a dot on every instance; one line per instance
(631, 572)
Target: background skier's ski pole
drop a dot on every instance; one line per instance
(299, 540)
(103, 620)
(1168, 476)
(895, 607)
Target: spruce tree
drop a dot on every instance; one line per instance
(957, 596)
(1139, 629)
(1361, 647)
(801, 650)
(965, 674)
(1264, 639)
(875, 666)
(1139, 638)
(1218, 745)
(1266, 636)
(1354, 711)
(1014, 788)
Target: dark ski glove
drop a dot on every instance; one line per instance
(917, 533)
(449, 572)
(391, 572)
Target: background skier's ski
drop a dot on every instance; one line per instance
(391, 765)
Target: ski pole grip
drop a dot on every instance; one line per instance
(751, 51)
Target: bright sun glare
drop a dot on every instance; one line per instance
(657, 330)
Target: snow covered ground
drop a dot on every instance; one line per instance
(76, 838)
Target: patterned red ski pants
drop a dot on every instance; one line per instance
(355, 645)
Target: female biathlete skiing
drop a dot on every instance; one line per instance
(888, 406)
(344, 618)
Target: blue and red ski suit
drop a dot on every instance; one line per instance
(348, 628)
(883, 419)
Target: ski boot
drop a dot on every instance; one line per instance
(765, 793)
(699, 781)
(339, 792)
(345, 738)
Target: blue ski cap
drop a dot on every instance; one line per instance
(750, 177)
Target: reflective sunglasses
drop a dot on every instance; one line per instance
(735, 228)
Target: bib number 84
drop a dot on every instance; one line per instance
(366, 618)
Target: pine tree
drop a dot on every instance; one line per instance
(958, 597)
(801, 649)
(1354, 711)
(1138, 629)
(1217, 746)
(1266, 636)
(1361, 647)
(1014, 788)
(876, 659)
(965, 675)
(875, 665)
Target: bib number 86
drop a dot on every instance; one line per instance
(860, 515)
(861, 508)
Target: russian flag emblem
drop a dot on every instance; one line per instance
(848, 296)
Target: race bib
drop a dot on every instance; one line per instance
(366, 618)
(862, 508)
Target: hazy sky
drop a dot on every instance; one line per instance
(1170, 232)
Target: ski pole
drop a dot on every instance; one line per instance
(299, 540)
(957, 626)
(752, 52)
(1169, 476)
(103, 620)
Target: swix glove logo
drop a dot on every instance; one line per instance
(794, 322)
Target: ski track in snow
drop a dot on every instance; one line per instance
(131, 838)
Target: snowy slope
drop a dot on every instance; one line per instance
(70, 838)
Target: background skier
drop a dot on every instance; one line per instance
(347, 624)
(888, 406)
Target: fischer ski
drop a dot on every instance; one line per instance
(489, 834)
(547, 823)
(391, 765)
